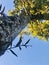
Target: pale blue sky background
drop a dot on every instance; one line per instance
(38, 54)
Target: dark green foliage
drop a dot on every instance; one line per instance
(13, 53)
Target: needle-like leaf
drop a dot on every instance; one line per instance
(18, 44)
(13, 53)
(19, 47)
(27, 42)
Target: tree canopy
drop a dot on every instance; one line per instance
(37, 12)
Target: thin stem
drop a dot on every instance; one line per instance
(18, 46)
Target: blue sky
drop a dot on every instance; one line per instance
(38, 54)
